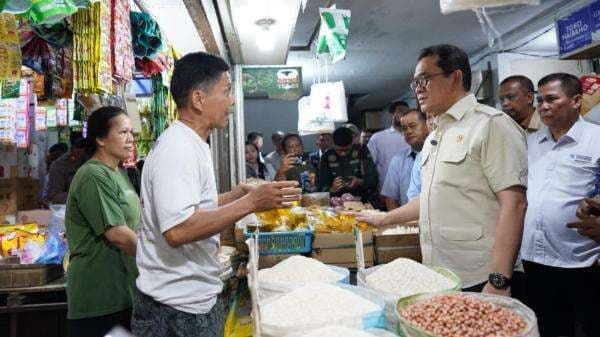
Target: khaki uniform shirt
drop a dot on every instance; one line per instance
(535, 123)
(478, 151)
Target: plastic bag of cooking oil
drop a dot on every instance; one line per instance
(333, 34)
(449, 6)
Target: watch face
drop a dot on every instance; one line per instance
(498, 280)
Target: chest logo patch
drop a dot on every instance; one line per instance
(460, 138)
(332, 158)
(580, 158)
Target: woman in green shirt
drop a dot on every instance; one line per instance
(103, 212)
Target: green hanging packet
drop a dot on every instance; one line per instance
(51, 11)
(333, 33)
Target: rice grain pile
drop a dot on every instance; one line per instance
(315, 303)
(299, 269)
(406, 277)
(401, 230)
(337, 331)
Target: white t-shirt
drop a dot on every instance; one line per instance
(177, 180)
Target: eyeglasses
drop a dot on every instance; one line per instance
(422, 81)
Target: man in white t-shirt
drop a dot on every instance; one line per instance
(182, 215)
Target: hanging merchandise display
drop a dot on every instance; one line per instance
(308, 123)
(10, 51)
(62, 112)
(40, 118)
(449, 6)
(51, 117)
(51, 11)
(147, 39)
(122, 52)
(333, 34)
(92, 48)
(328, 102)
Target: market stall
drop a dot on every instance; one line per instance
(59, 63)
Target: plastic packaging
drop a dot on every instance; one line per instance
(51, 11)
(450, 6)
(407, 329)
(392, 299)
(268, 289)
(372, 320)
(328, 102)
(333, 34)
(308, 123)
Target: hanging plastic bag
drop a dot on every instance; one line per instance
(450, 6)
(51, 11)
(17, 6)
(328, 101)
(308, 122)
(333, 34)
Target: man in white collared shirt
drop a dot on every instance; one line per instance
(563, 279)
(384, 145)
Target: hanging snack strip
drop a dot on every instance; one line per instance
(92, 49)
(10, 50)
(122, 52)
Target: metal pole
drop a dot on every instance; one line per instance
(237, 153)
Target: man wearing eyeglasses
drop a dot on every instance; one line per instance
(474, 175)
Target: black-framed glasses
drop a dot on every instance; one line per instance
(423, 80)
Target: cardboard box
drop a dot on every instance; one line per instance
(28, 194)
(41, 216)
(390, 247)
(339, 249)
(268, 261)
(8, 198)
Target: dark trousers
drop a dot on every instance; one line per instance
(154, 319)
(562, 296)
(100, 325)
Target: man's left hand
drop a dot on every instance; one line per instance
(489, 289)
(242, 189)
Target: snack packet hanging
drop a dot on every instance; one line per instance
(51, 11)
(333, 34)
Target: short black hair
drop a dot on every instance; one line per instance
(252, 136)
(421, 114)
(76, 139)
(58, 148)
(523, 81)
(195, 71)
(450, 58)
(98, 125)
(277, 134)
(342, 136)
(397, 104)
(569, 83)
(289, 136)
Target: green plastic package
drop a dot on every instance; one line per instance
(333, 34)
(51, 11)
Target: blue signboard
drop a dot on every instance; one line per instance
(595, 17)
(575, 30)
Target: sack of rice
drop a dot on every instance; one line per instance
(342, 331)
(295, 272)
(404, 277)
(317, 304)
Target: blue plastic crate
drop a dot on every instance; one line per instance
(274, 243)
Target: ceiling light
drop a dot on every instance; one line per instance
(266, 40)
